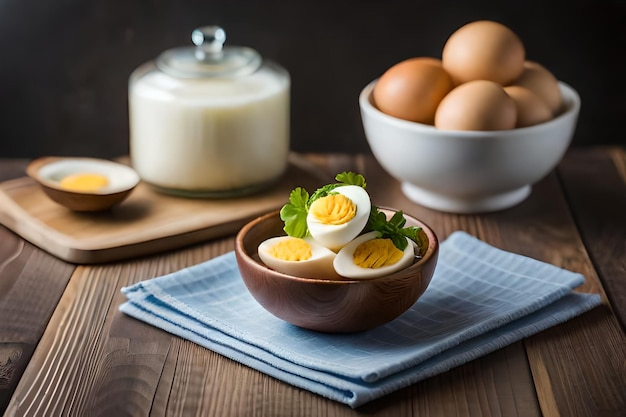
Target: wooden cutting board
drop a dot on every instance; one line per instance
(147, 222)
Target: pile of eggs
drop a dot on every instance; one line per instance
(482, 82)
(337, 245)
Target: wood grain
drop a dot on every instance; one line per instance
(568, 360)
(570, 370)
(599, 209)
(109, 364)
(93, 360)
(31, 284)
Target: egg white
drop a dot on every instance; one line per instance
(345, 266)
(335, 237)
(319, 265)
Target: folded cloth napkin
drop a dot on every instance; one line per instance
(480, 299)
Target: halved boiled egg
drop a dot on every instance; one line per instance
(336, 219)
(370, 256)
(83, 184)
(298, 257)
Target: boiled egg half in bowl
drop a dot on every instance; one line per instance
(371, 256)
(336, 219)
(336, 233)
(298, 257)
(83, 184)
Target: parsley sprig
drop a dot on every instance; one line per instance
(294, 213)
(393, 228)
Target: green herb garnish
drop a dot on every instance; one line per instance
(393, 228)
(294, 213)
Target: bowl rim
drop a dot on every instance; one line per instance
(571, 100)
(431, 251)
(36, 165)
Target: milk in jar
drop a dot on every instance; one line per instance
(210, 120)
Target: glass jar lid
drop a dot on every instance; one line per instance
(209, 58)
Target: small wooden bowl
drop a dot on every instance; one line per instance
(49, 171)
(332, 306)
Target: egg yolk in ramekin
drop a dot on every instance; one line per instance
(84, 182)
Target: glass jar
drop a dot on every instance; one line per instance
(209, 120)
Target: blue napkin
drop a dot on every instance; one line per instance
(480, 299)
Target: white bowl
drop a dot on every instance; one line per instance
(468, 171)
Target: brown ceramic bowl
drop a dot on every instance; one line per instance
(333, 306)
(49, 171)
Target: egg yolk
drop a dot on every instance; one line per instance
(292, 249)
(376, 253)
(333, 209)
(84, 182)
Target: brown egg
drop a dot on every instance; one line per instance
(412, 89)
(531, 109)
(484, 50)
(541, 82)
(476, 105)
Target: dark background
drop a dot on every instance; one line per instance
(64, 64)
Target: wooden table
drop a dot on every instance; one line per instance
(65, 349)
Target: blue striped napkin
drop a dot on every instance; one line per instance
(480, 299)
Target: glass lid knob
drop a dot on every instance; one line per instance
(208, 40)
(209, 57)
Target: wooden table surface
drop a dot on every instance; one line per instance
(65, 349)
